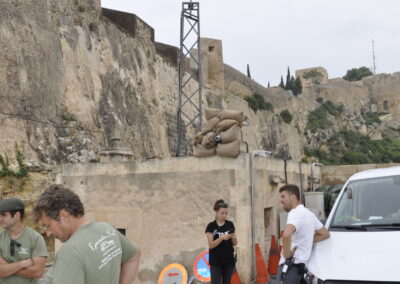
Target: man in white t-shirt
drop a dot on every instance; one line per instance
(301, 231)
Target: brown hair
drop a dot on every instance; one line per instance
(21, 213)
(220, 203)
(291, 189)
(56, 198)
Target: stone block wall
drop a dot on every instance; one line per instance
(168, 52)
(212, 56)
(130, 23)
(331, 175)
(306, 82)
(233, 77)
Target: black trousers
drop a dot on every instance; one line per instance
(221, 274)
(292, 276)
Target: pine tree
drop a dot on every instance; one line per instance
(292, 83)
(287, 79)
(298, 88)
(281, 84)
(248, 71)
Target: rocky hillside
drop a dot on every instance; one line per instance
(72, 79)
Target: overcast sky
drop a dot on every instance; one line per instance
(271, 35)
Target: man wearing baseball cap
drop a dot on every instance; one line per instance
(23, 251)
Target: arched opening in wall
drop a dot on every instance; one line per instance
(211, 48)
(385, 105)
(122, 231)
(268, 230)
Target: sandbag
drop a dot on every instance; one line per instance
(225, 124)
(200, 152)
(229, 150)
(209, 125)
(232, 114)
(198, 138)
(230, 135)
(209, 140)
(211, 112)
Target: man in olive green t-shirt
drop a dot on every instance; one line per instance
(23, 251)
(92, 253)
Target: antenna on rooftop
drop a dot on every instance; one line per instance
(190, 82)
(373, 57)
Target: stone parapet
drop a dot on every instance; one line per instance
(312, 76)
(131, 23)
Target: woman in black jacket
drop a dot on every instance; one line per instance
(221, 239)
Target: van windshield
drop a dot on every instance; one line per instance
(369, 203)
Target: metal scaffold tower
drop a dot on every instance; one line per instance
(190, 81)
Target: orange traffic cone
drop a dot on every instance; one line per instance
(273, 261)
(235, 279)
(262, 273)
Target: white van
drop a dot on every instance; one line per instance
(364, 224)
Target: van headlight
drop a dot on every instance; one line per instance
(312, 279)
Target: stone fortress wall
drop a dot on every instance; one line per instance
(380, 90)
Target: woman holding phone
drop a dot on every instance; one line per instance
(221, 239)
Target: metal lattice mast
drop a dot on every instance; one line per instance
(190, 83)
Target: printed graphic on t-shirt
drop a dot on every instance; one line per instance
(107, 245)
(24, 251)
(220, 233)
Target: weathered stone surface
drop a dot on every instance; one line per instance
(70, 76)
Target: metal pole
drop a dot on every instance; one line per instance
(188, 107)
(181, 72)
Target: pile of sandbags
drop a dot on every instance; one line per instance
(220, 134)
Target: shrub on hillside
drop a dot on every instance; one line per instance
(318, 118)
(351, 147)
(286, 116)
(314, 76)
(257, 102)
(357, 74)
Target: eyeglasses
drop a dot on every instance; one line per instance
(45, 228)
(14, 244)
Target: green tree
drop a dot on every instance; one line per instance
(357, 74)
(291, 84)
(281, 84)
(248, 71)
(298, 88)
(287, 79)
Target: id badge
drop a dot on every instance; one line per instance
(284, 268)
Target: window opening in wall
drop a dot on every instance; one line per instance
(211, 48)
(385, 105)
(122, 231)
